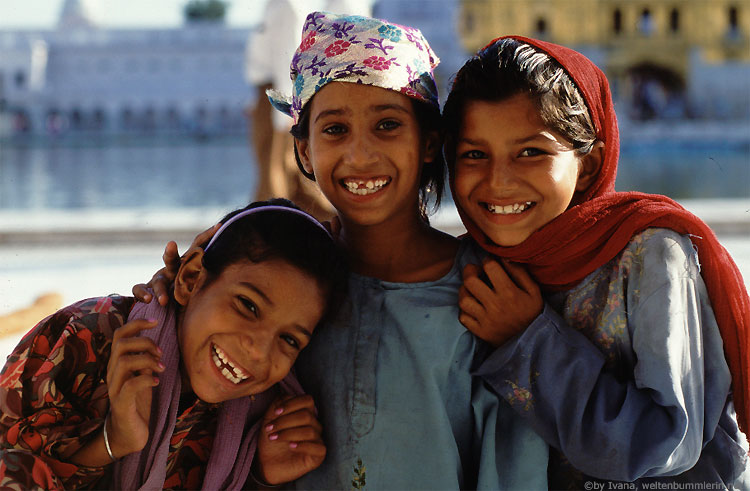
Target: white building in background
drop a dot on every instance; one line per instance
(438, 21)
(80, 78)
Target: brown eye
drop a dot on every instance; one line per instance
(249, 305)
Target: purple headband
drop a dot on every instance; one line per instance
(245, 213)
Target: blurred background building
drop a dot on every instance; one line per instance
(665, 59)
(81, 78)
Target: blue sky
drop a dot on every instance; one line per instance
(34, 14)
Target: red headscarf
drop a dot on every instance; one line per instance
(590, 234)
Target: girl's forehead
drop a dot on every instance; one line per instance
(360, 96)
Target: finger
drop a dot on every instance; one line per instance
(289, 403)
(136, 345)
(471, 306)
(134, 385)
(132, 328)
(520, 276)
(296, 434)
(471, 271)
(296, 419)
(171, 256)
(128, 367)
(205, 236)
(142, 293)
(497, 275)
(476, 287)
(469, 322)
(160, 283)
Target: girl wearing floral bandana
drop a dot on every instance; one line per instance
(391, 375)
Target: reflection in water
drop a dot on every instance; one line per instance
(190, 173)
(184, 173)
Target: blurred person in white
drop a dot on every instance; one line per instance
(269, 53)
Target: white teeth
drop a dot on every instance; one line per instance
(233, 373)
(509, 209)
(365, 187)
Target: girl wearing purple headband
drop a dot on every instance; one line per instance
(392, 373)
(113, 393)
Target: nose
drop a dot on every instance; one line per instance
(257, 348)
(502, 175)
(359, 149)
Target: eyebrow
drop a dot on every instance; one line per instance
(257, 290)
(303, 331)
(533, 137)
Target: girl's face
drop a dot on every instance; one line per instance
(514, 175)
(366, 150)
(241, 333)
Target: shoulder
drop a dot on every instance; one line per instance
(90, 319)
(661, 251)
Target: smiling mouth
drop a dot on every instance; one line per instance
(363, 187)
(513, 209)
(227, 368)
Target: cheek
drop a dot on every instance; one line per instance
(464, 184)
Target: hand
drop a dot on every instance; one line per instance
(130, 378)
(290, 443)
(162, 279)
(497, 311)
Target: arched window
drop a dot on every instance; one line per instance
(541, 27)
(20, 79)
(617, 21)
(645, 23)
(674, 20)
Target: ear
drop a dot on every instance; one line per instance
(303, 151)
(431, 146)
(186, 281)
(590, 165)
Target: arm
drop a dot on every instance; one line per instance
(53, 398)
(625, 422)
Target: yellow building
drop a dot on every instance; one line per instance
(634, 41)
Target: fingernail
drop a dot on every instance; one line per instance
(156, 381)
(151, 320)
(273, 437)
(159, 350)
(292, 445)
(161, 366)
(269, 427)
(279, 411)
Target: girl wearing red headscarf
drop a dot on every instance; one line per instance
(627, 346)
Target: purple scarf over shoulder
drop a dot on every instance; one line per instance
(236, 433)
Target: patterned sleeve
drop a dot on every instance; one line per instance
(638, 386)
(53, 395)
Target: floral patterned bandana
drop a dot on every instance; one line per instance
(347, 48)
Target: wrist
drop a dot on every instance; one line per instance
(256, 476)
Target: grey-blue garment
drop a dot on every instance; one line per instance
(637, 388)
(391, 377)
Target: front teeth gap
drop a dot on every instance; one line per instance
(369, 187)
(226, 367)
(509, 209)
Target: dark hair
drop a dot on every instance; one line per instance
(432, 182)
(276, 234)
(509, 67)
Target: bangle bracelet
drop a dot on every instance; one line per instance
(106, 440)
(260, 481)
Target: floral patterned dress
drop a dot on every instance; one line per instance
(625, 376)
(53, 400)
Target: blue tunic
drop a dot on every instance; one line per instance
(391, 377)
(637, 389)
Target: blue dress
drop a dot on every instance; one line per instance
(637, 389)
(400, 409)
